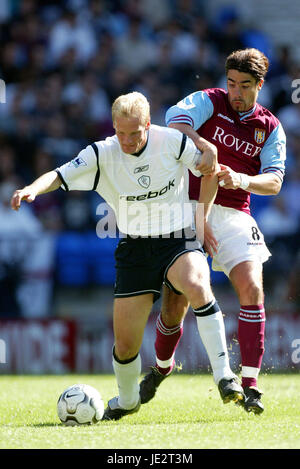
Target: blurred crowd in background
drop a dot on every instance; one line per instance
(63, 64)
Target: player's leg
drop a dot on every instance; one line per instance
(247, 280)
(190, 275)
(241, 254)
(130, 316)
(169, 329)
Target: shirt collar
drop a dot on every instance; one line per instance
(248, 113)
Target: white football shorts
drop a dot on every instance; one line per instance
(239, 239)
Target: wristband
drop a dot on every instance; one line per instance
(244, 181)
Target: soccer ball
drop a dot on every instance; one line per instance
(80, 404)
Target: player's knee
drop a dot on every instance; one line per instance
(124, 350)
(198, 291)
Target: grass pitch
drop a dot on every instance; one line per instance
(187, 413)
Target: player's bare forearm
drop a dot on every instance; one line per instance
(265, 184)
(261, 184)
(208, 192)
(209, 151)
(48, 182)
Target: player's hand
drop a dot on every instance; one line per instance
(209, 159)
(22, 194)
(228, 179)
(210, 243)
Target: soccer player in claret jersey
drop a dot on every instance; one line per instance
(251, 151)
(142, 170)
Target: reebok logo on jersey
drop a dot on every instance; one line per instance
(140, 169)
(150, 194)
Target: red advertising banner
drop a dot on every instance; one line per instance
(37, 346)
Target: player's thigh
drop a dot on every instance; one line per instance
(130, 316)
(247, 280)
(174, 307)
(190, 275)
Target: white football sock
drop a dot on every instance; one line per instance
(212, 332)
(127, 375)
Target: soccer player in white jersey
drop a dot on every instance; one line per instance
(251, 152)
(141, 171)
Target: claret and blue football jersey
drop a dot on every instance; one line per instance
(249, 142)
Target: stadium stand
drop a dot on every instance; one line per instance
(63, 63)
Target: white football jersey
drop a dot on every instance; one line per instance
(149, 192)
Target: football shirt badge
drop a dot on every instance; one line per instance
(144, 181)
(259, 135)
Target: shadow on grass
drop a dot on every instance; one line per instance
(106, 424)
(45, 424)
(32, 425)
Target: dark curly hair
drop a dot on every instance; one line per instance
(250, 61)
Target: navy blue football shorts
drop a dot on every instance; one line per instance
(142, 263)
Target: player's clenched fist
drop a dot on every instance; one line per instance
(21, 194)
(229, 179)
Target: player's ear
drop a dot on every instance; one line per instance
(260, 84)
(148, 125)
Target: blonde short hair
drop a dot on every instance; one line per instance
(131, 105)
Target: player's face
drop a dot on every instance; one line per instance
(242, 90)
(131, 133)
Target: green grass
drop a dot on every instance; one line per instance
(187, 413)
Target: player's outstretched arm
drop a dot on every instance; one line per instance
(48, 182)
(209, 151)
